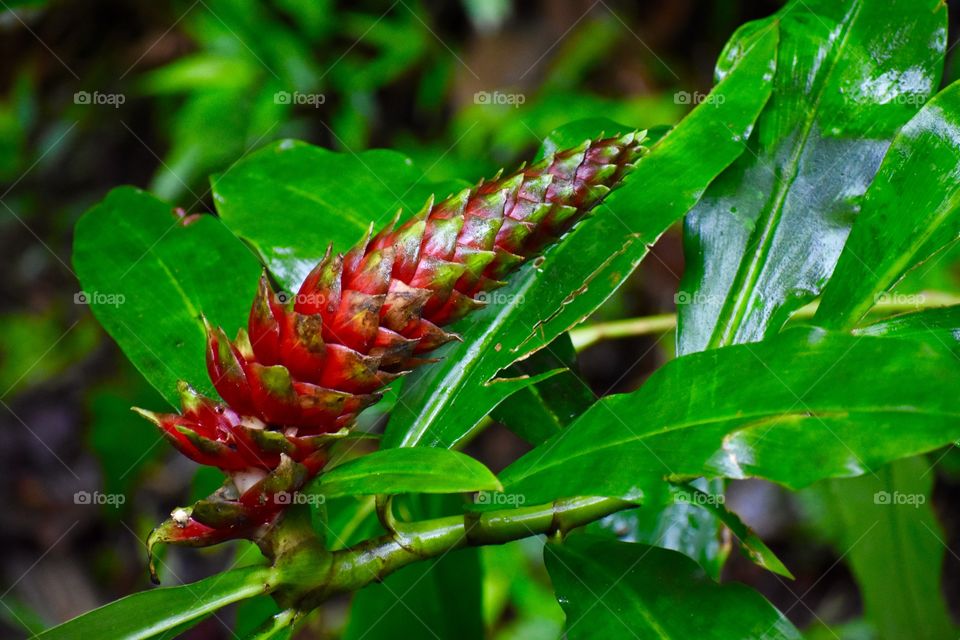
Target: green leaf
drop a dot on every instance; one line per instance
(393, 471)
(617, 589)
(254, 613)
(766, 236)
(291, 200)
(676, 524)
(754, 547)
(883, 525)
(797, 408)
(204, 72)
(149, 613)
(148, 278)
(17, 615)
(518, 601)
(439, 598)
(278, 626)
(943, 322)
(541, 410)
(910, 213)
(442, 403)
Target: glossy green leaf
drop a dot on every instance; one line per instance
(765, 238)
(883, 525)
(676, 524)
(148, 278)
(623, 590)
(393, 471)
(943, 322)
(800, 407)
(541, 410)
(910, 213)
(149, 613)
(755, 548)
(442, 403)
(291, 200)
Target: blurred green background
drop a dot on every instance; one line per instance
(162, 95)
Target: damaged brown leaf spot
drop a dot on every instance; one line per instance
(631, 239)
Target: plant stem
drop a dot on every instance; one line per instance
(350, 569)
(583, 337)
(589, 335)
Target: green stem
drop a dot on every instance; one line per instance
(311, 579)
(589, 335)
(583, 337)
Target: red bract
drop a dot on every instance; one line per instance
(306, 366)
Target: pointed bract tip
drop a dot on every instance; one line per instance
(427, 206)
(149, 415)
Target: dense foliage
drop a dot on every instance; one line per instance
(821, 170)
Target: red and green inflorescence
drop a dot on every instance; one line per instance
(306, 366)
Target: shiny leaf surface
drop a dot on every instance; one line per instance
(765, 238)
(407, 471)
(149, 613)
(623, 590)
(148, 278)
(910, 213)
(801, 407)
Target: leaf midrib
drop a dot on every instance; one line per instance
(748, 273)
(747, 417)
(906, 257)
(149, 250)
